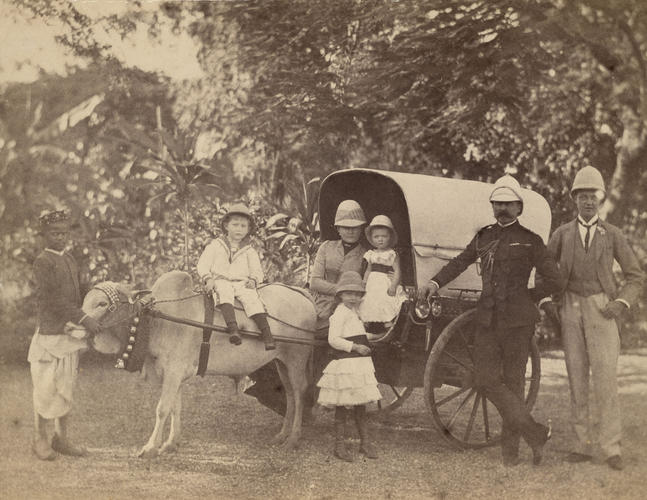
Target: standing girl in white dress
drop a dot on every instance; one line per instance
(384, 295)
(348, 381)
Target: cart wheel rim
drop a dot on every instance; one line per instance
(460, 411)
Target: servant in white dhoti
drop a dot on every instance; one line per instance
(54, 350)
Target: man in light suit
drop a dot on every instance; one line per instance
(591, 302)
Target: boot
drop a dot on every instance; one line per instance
(365, 447)
(229, 316)
(266, 333)
(341, 450)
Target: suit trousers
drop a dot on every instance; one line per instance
(500, 358)
(591, 347)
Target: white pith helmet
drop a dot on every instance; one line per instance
(349, 214)
(506, 188)
(588, 178)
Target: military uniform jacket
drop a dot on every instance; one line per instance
(56, 278)
(507, 256)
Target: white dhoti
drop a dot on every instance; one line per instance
(227, 291)
(54, 361)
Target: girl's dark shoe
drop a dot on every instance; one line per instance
(235, 339)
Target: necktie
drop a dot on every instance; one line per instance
(587, 237)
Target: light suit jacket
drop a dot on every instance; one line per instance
(609, 244)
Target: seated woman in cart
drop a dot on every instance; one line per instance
(334, 257)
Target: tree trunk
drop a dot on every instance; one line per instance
(631, 148)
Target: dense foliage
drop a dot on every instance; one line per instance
(292, 90)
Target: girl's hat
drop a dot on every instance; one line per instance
(382, 221)
(238, 209)
(349, 214)
(350, 281)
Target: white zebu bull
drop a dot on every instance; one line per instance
(173, 348)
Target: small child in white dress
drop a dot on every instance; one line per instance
(384, 295)
(348, 381)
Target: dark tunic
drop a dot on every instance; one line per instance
(57, 290)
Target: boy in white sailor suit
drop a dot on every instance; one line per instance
(53, 354)
(230, 268)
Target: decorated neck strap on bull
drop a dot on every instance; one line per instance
(131, 358)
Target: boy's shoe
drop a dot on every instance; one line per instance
(235, 339)
(43, 450)
(64, 447)
(270, 345)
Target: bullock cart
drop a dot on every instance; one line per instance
(430, 345)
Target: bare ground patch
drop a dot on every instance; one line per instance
(225, 453)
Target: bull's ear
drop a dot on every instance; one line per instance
(137, 295)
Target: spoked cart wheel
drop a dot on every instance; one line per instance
(460, 411)
(392, 398)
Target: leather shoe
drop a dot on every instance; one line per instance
(511, 461)
(615, 462)
(368, 449)
(538, 451)
(43, 450)
(577, 458)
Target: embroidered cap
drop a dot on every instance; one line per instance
(49, 217)
(350, 281)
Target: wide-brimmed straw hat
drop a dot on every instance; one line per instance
(349, 214)
(381, 221)
(350, 281)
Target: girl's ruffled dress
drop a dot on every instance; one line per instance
(349, 379)
(377, 305)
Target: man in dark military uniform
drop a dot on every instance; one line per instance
(506, 313)
(54, 350)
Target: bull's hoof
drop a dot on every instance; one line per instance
(290, 444)
(148, 453)
(169, 448)
(279, 439)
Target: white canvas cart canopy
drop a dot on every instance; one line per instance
(435, 217)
